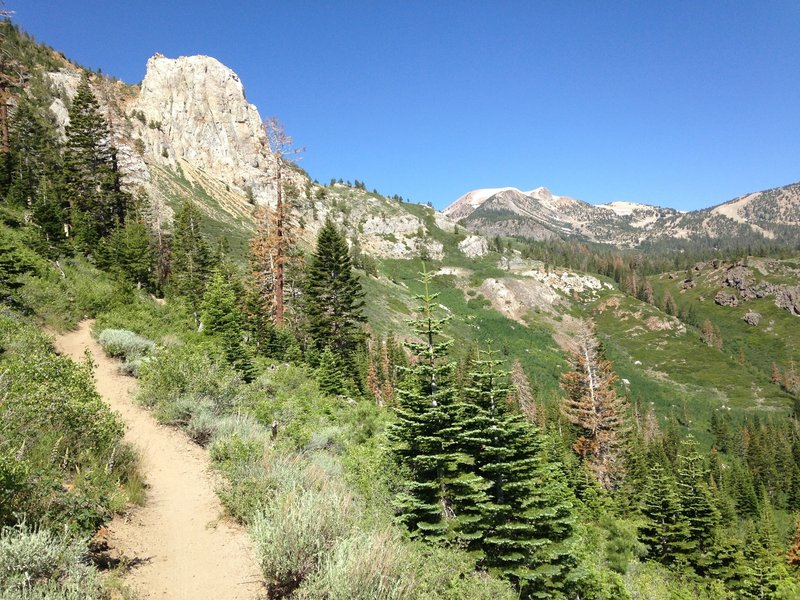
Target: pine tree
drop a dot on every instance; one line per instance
(522, 395)
(281, 240)
(420, 439)
(91, 177)
(707, 334)
(48, 215)
(697, 504)
(222, 317)
(33, 154)
(191, 257)
(668, 304)
(275, 260)
(333, 300)
(665, 531)
(793, 555)
(130, 254)
(528, 521)
(330, 376)
(592, 404)
(775, 375)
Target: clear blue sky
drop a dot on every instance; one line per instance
(683, 104)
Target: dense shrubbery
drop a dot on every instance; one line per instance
(40, 565)
(126, 345)
(62, 455)
(63, 468)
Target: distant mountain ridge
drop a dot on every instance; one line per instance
(770, 215)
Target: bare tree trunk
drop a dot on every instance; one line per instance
(279, 251)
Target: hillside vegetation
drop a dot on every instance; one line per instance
(390, 417)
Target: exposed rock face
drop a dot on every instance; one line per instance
(474, 246)
(194, 107)
(751, 317)
(724, 298)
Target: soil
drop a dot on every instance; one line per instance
(179, 543)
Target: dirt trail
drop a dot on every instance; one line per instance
(186, 550)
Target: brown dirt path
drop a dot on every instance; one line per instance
(186, 550)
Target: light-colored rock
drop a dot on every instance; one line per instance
(751, 317)
(474, 246)
(194, 108)
(566, 282)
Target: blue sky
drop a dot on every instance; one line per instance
(682, 104)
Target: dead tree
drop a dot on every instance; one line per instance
(282, 148)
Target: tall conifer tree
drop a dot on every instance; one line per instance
(600, 414)
(528, 520)
(420, 439)
(191, 257)
(334, 299)
(91, 177)
(665, 531)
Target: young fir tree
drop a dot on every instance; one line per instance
(191, 257)
(91, 178)
(665, 531)
(421, 438)
(697, 504)
(130, 254)
(222, 317)
(333, 299)
(330, 376)
(793, 555)
(528, 522)
(594, 407)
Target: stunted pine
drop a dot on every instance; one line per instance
(594, 407)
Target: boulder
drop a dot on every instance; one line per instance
(751, 317)
(738, 277)
(724, 298)
(788, 298)
(474, 246)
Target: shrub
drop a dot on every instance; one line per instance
(121, 343)
(293, 534)
(189, 371)
(56, 428)
(39, 564)
(365, 566)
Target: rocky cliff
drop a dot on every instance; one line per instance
(188, 132)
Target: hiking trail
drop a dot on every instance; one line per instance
(181, 545)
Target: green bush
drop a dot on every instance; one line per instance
(63, 298)
(294, 533)
(127, 345)
(56, 430)
(365, 566)
(196, 372)
(121, 343)
(39, 564)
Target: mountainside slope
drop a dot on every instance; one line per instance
(768, 216)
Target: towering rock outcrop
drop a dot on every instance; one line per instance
(194, 108)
